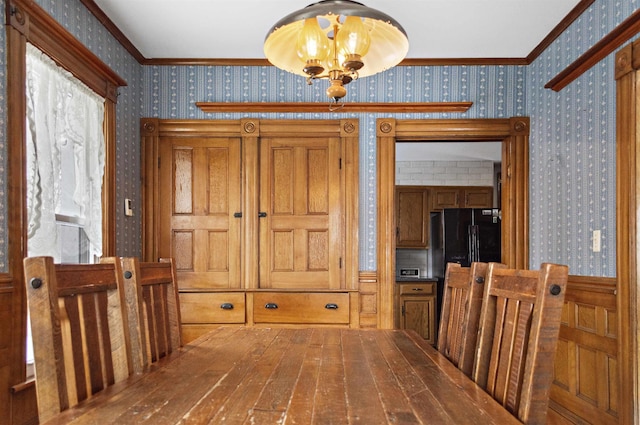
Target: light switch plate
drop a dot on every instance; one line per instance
(597, 236)
(128, 210)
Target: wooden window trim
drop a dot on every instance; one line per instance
(29, 23)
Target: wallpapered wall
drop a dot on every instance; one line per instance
(572, 173)
(572, 143)
(496, 92)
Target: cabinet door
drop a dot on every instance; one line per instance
(412, 217)
(445, 197)
(301, 229)
(418, 314)
(198, 195)
(478, 197)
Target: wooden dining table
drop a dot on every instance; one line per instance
(251, 375)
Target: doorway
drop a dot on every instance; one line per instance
(513, 133)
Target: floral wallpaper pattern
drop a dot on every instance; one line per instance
(496, 92)
(572, 165)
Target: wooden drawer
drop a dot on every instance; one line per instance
(417, 288)
(301, 307)
(212, 307)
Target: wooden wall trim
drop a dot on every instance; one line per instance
(627, 209)
(51, 37)
(306, 107)
(113, 29)
(559, 29)
(619, 35)
(368, 299)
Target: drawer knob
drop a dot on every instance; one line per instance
(418, 289)
(331, 306)
(271, 306)
(226, 306)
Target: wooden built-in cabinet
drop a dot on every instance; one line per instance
(414, 203)
(461, 197)
(412, 217)
(255, 213)
(415, 308)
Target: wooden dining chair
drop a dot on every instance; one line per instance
(78, 332)
(518, 335)
(153, 314)
(461, 304)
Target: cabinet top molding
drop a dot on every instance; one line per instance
(303, 107)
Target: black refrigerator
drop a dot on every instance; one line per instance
(463, 235)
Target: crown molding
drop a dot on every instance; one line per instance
(305, 107)
(607, 45)
(126, 43)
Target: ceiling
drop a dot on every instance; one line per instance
(437, 29)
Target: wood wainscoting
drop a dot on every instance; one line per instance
(368, 288)
(586, 384)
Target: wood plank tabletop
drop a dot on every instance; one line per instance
(243, 375)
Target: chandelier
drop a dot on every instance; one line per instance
(338, 40)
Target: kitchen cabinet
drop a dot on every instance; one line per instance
(414, 203)
(461, 197)
(412, 217)
(416, 308)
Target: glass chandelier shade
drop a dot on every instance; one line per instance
(340, 40)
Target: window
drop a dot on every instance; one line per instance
(65, 163)
(65, 166)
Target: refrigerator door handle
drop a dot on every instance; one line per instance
(474, 244)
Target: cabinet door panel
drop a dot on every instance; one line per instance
(301, 233)
(412, 218)
(418, 314)
(481, 197)
(445, 198)
(198, 194)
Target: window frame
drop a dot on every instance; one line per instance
(28, 22)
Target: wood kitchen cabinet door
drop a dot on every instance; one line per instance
(461, 197)
(301, 230)
(412, 217)
(445, 197)
(198, 196)
(418, 314)
(478, 197)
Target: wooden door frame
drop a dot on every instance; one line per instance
(627, 72)
(514, 135)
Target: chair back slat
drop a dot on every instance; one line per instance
(78, 331)
(151, 295)
(462, 300)
(517, 338)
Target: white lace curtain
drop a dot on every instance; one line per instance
(61, 110)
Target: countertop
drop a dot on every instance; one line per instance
(402, 279)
